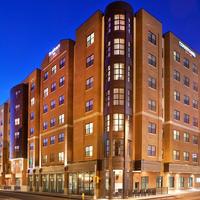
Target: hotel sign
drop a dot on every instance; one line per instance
(187, 49)
(55, 51)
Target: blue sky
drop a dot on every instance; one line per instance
(30, 28)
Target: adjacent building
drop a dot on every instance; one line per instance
(107, 115)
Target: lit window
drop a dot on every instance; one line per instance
(17, 107)
(177, 95)
(108, 49)
(45, 125)
(61, 99)
(90, 60)
(16, 148)
(89, 151)
(61, 119)
(177, 56)
(17, 93)
(151, 128)
(90, 39)
(44, 159)
(61, 81)
(107, 123)
(31, 147)
(61, 156)
(176, 155)
(194, 139)
(46, 92)
(53, 87)
(32, 101)
(119, 22)
(119, 71)
(152, 37)
(61, 137)
(52, 157)
(89, 128)
(195, 104)
(151, 150)
(194, 157)
(89, 83)
(176, 135)
(186, 156)
(17, 121)
(107, 98)
(108, 73)
(16, 135)
(89, 105)
(53, 70)
(118, 122)
(119, 48)
(118, 96)
(118, 147)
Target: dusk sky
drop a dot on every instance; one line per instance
(31, 28)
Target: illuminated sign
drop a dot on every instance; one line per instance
(54, 51)
(187, 49)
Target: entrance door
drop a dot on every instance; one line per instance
(118, 182)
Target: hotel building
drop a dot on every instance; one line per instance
(112, 113)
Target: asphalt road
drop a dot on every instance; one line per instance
(24, 196)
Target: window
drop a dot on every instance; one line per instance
(89, 83)
(61, 99)
(16, 135)
(32, 101)
(152, 82)
(194, 139)
(129, 73)
(52, 157)
(53, 87)
(177, 96)
(186, 156)
(45, 142)
(176, 155)
(108, 73)
(32, 130)
(62, 63)
(109, 25)
(61, 119)
(176, 115)
(194, 157)
(151, 150)
(119, 22)
(177, 75)
(53, 104)
(129, 25)
(17, 121)
(45, 125)
(186, 81)
(195, 122)
(144, 182)
(129, 98)
(53, 70)
(177, 56)
(118, 122)
(61, 156)
(32, 86)
(89, 105)
(107, 147)
(195, 69)
(171, 182)
(46, 75)
(46, 92)
(186, 137)
(186, 63)
(52, 139)
(108, 49)
(119, 48)
(89, 128)
(107, 98)
(62, 81)
(186, 118)
(151, 128)
(118, 147)
(61, 137)
(90, 39)
(16, 148)
(129, 50)
(181, 181)
(90, 60)
(118, 96)
(152, 105)
(89, 151)
(195, 86)
(151, 60)
(195, 104)
(107, 123)
(52, 122)
(44, 159)
(186, 100)
(32, 116)
(31, 147)
(119, 71)
(45, 108)
(17, 107)
(151, 37)
(176, 135)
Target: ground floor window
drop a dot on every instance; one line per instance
(190, 182)
(45, 183)
(144, 182)
(181, 182)
(171, 182)
(37, 183)
(81, 183)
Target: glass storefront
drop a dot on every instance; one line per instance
(37, 183)
(51, 183)
(81, 183)
(45, 182)
(60, 183)
(30, 183)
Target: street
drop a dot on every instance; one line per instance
(24, 196)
